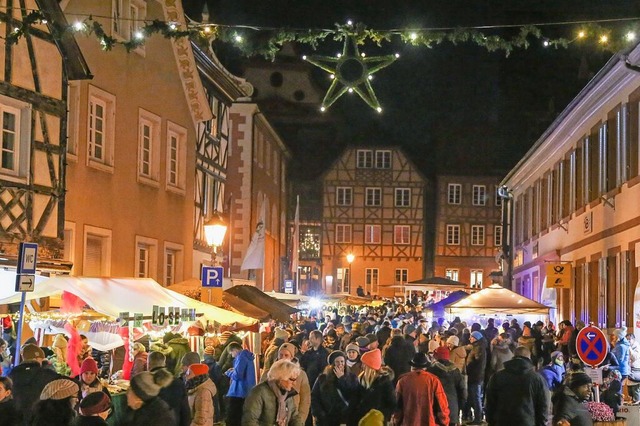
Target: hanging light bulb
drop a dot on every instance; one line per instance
(581, 34)
(604, 38)
(413, 36)
(630, 36)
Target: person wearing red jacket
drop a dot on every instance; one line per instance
(421, 397)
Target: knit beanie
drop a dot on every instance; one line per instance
(372, 359)
(454, 340)
(30, 352)
(408, 329)
(190, 358)
(95, 403)
(352, 347)
(477, 335)
(59, 341)
(147, 385)
(199, 369)
(578, 379)
(362, 342)
(89, 365)
(335, 354)
(442, 353)
(60, 389)
(280, 333)
(621, 333)
(288, 347)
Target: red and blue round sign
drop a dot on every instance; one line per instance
(592, 346)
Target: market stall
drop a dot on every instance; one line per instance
(441, 286)
(438, 309)
(254, 296)
(496, 299)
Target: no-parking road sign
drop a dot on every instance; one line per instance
(592, 346)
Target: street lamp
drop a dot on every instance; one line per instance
(350, 258)
(214, 231)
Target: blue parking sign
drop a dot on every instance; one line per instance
(212, 276)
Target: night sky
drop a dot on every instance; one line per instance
(453, 109)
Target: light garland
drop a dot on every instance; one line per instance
(272, 39)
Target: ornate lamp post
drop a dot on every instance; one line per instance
(350, 259)
(214, 231)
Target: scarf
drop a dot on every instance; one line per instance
(281, 400)
(192, 383)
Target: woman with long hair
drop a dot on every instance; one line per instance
(57, 404)
(375, 389)
(333, 391)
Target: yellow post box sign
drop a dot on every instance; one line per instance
(559, 275)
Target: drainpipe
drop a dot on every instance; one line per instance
(507, 235)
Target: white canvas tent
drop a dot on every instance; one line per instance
(110, 296)
(497, 299)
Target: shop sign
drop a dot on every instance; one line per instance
(171, 315)
(558, 275)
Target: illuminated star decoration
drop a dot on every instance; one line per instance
(351, 71)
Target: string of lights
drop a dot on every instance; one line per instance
(609, 34)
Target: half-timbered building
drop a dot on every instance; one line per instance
(33, 113)
(373, 209)
(469, 228)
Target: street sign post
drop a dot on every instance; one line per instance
(25, 279)
(212, 281)
(592, 346)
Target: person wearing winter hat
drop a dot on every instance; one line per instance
(202, 392)
(88, 380)
(622, 352)
(453, 382)
(568, 407)
(375, 390)
(280, 336)
(457, 353)
(94, 410)
(29, 379)
(476, 363)
(553, 373)
(56, 405)
(353, 359)
(145, 407)
(373, 341)
(332, 390)
(421, 397)
(175, 394)
(363, 344)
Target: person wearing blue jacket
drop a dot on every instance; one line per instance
(621, 350)
(243, 379)
(554, 372)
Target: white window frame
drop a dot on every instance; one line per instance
(151, 247)
(69, 253)
(497, 235)
(127, 17)
(22, 140)
(402, 197)
(73, 119)
(404, 231)
(344, 196)
(373, 196)
(401, 276)
(344, 230)
(476, 279)
(153, 122)
(108, 102)
(454, 193)
(452, 273)
(177, 250)
(498, 198)
(383, 159)
(364, 159)
(180, 135)
(453, 235)
(371, 280)
(342, 280)
(372, 234)
(106, 236)
(478, 233)
(479, 195)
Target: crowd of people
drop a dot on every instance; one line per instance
(371, 366)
